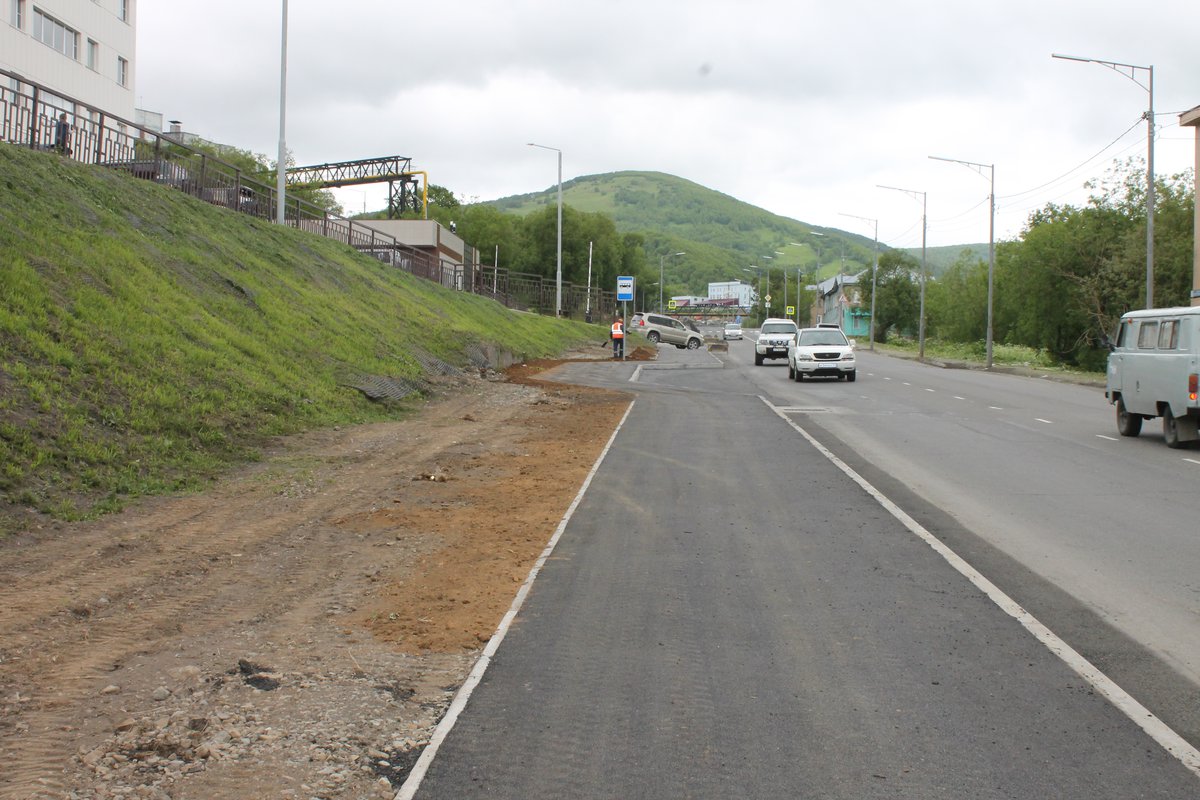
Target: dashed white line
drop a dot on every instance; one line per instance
(1191, 461)
(956, 397)
(1043, 421)
(1113, 439)
(931, 390)
(995, 408)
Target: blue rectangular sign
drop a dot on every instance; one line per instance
(624, 288)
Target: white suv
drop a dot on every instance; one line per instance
(774, 338)
(821, 351)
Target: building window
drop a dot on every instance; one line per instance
(17, 18)
(123, 13)
(93, 55)
(122, 71)
(50, 31)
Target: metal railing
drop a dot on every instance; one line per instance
(95, 137)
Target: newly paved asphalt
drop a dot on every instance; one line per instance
(727, 615)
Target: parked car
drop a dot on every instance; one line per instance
(1154, 371)
(658, 328)
(733, 330)
(821, 351)
(635, 320)
(774, 336)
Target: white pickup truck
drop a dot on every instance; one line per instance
(1153, 371)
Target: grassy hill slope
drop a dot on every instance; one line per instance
(677, 214)
(725, 233)
(149, 340)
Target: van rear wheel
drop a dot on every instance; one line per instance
(1171, 431)
(1127, 424)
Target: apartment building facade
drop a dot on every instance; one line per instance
(82, 50)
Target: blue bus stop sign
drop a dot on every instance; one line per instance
(624, 288)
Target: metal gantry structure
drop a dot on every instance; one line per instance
(405, 191)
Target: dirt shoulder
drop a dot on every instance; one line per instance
(298, 630)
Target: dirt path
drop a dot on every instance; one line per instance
(298, 630)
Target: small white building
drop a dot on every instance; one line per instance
(80, 49)
(743, 293)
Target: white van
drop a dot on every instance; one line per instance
(1152, 372)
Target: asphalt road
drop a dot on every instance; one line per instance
(727, 614)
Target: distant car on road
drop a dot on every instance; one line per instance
(821, 351)
(733, 330)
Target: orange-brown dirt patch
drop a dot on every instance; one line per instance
(298, 630)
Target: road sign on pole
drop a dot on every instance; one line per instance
(624, 288)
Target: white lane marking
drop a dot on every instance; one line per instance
(995, 408)
(1141, 716)
(413, 782)
(906, 383)
(931, 390)
(1046, 421)
(1111, 439)
(887, 379)
(956, 397)
(1191, 461)
(636, 374)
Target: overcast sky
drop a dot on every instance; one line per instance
(801, 108)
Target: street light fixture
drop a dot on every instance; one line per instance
(660, 279)
(558, 267)
(281, 164)
(924, 269)
(991, 240)
(875, 274)
(1120, 68)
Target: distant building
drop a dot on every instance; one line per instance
(79, 49)
(743, 293)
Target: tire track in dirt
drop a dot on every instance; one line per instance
(295, 542)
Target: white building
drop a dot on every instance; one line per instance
(732, 290)
(79, 49)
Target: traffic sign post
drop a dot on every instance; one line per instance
(624, 295)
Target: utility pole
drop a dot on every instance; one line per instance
(924, 264)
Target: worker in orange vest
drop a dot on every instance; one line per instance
(618, 337)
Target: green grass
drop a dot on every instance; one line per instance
(975, 353)
(149, 341)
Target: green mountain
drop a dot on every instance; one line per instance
(720, 235)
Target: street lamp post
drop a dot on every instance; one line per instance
(816, 270)
(874, 276)
(924, 269)
(767, 297)
(281, 164)
(991, 168)
(660, 279)
(1120, 68)
(558, 264)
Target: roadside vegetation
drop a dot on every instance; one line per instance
(1062, 285)
(148, 340)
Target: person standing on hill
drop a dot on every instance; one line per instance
(618, 337)
(62, 135)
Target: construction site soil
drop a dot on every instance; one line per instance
(298, 630)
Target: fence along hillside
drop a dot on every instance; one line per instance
(28, 117)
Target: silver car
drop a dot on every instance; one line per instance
(658, 328)
(733, 330)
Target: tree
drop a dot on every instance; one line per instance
(897, 295)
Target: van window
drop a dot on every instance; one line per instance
(1148, 334)
(1123, 333)
(1168, 334)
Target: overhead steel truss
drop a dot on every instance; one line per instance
(405, 190)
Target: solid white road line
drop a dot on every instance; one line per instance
(411, 784)
(1109, 438)
(1158, 730)
(1191, 461)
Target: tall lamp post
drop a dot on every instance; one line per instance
(875, 274)
(558, 263)
(281, 164)
(767, 312)
(660, 279)
(991, 168)
(816, 271)
(757, 279)
(1130, 71)
(924, 269)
